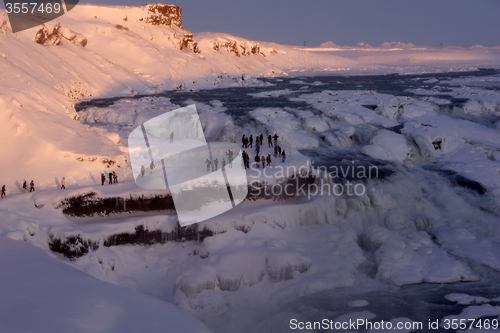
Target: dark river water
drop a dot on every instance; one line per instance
(421, 303)
(238, 101)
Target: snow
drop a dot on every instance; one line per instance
(476, 312)
(464, 299)
(39, 294)
(358, 303)
(413, 258)
(389, 146)
(285, 125)
(367, 315)
(275, 93)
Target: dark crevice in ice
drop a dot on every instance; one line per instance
(457, 179)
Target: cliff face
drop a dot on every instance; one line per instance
(167, 15)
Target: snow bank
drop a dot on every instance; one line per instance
(389, 146)
(286, 125)
(122, 190)
(477, 246)
(411, 257)
(476, 312)
(358, 303)
(464, 299)
(54, 304)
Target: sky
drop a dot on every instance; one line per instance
(345, 22)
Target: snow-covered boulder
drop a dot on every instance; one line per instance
(411, 257)
(387, 145)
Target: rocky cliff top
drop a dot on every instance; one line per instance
(167, 15)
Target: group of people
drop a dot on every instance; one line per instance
(259, 140)
(113, 178)
(265, 160)
(25, 187)
(257, 159)
(143, 170)
(230, 159)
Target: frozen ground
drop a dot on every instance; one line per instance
(42, 294)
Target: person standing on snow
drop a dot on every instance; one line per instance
(251, 141)
(223, 164)
(257, 150)
(243, 163)
(143, 171)
(268, 159)
(216, 162)
(275, 139)
(263, 162)
(245, 158)
(110, 178)
(283, 155)
(279, 150)
(103, 178)
(32, 186)
(243, 141)
(208, 163)
(152, 166)
(230, 154)
(63, 184)
(257, 161)
(25, 186)
(270, 141)
(172, 137)
(3, 192)
(276, 151)
(261, 138)
(115, 177)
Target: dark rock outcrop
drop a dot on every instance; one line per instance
(54, 36)
(3, 25)
(74, 247)
(188, 42)
(240, 49)
(89, 205)
(166, 15)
